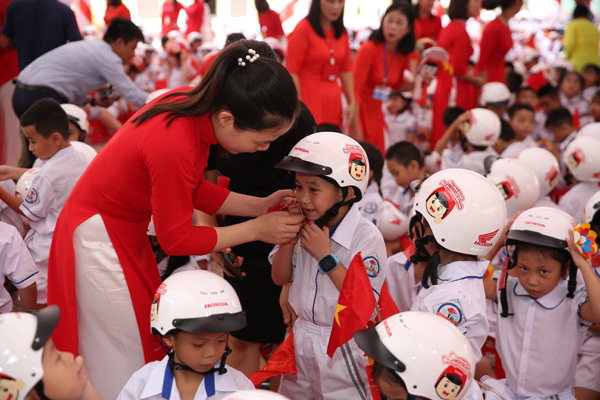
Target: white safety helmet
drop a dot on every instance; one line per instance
(194, 36)
(494, 94)
(591, 208)
(517, 183)
(24, 183)
(431, 356)
(77, 116)
(465, 211)
(545, 166)
(331, 155)
(257, 394)
(543, 226)
(582, 157)
(592, 129)
(392, 223)
(155, 94)
(483, 128)
(196, 301)
(22, 340)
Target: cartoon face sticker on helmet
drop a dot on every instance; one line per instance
(575, 158)
(453, 378)
(358, 166)
(156, 301)
(443, 200)
(9, 387)
(508, 187)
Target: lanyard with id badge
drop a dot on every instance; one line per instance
(382, 92)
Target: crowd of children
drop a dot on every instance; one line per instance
(485, 240)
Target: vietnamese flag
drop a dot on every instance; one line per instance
(282, 361)
(387, 305)
(355, 305)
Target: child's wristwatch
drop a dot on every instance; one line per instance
(328, 263)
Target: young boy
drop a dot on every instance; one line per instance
(522, 121)
(193, 312)
(542, 318)
(16, 264)
(495, 97)
(31, 367)
(548, 100)
(560, 123)
(46, 127)
(405, 164)
(331, 174)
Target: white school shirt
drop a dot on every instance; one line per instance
(540, 132)
(400, 279)
(370, 205)
(573, 202)
(404, 199)
(589, 93)
(50, 188)
(460, 298)
(147, 383)
(85, 149)
(538, 344)
(399, 126)
(15, 264)
(312, 295)
(472, 161)
(576, 103)
(513, 149)
(9, 215)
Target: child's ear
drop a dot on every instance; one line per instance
(413, 166)
(57, 137)
(169, 340)
(351, 194)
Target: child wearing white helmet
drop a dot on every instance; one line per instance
(31, 367)
(546, 168)
(331, 174)
(495, 97)
(459, 217)
(542, 318)
(419, 356)
(193, 313)
(582, 159)
(479, 130)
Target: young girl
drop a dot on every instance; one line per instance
(154, 166)
(462, 215)
(193, 312)
(32, 368)
(331, 175)
(542, 318)
(571, 95)
(591, 81)
(401, 124)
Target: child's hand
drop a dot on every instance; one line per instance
(5, 172)
(460, 122)
(316, 240)
(576, 253)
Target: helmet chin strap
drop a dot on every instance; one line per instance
(334, 210)
(179, 366)
(421, 254)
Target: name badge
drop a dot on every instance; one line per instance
(382, 92)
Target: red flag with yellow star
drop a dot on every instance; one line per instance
(355, 305)
(282, 361)
(387, 305)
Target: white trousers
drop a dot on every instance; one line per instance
(109, 338)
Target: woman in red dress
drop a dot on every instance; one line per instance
(379, 69)
(169, 16)
(455, 83)
(270, 23)
(115, 9)
(102, 271)
(427, 25)
(195, 13)
(496, 40)
(318, 54)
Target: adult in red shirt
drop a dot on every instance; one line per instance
(496, 40)
(379, 69)
(455, 83)
(427, 25)
(170, 13)
(195, 13)
(318, 54)
(270, 23)
(102, 272)
(115, 9)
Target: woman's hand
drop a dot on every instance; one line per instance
(316, 240)
(278, 227)
(279, 198)
(349, 114)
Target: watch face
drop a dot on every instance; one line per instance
(327, 263)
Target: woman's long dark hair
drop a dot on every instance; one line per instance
(407, 43)
(314, 17)
(260, 95)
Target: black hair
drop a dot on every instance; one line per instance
(386, 374)
(525, 89)
(492, 4)
(327, 127)
(506, 131)
(509, 65)
(407, 43)
(581, 11)
(260, 95)
(173, 263)
(407, 101)
(403, 153)
(314, 18)
(561, 255)
(261, 6)
(512, 110)
(375, 161)
(124, 29)
(47, 116)
(596, 70)
(559, 116)
(451, 113)
(234, 37)
(563, 76)
(458, 9)
(548, 90)
(114, 3)
(514, 80)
